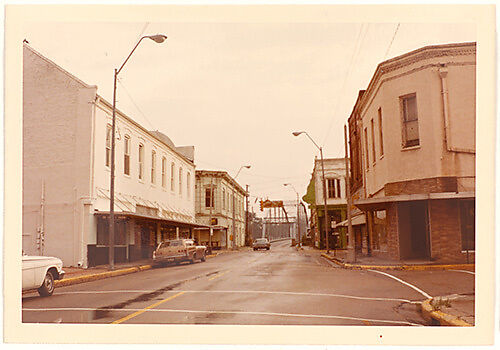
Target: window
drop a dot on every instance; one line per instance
(366, 150)
(180, 180)
(172, 176)
(410, 120)
(209, 201)
(153, 167)
(103, 232)
(380, 134)
(141, 161)
(374, 156)
(333, 186)
(126, 155)
(188, 184)
(108, 145)
(224, 198)
(163, 172)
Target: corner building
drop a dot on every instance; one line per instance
(412, 151)
(66, 174)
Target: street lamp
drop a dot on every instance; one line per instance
(158, 38)
(297, 133)
(298, 221)
(234, 219)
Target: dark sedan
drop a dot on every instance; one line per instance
(261, 243)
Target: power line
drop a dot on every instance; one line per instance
(136, 106)
(392, 40)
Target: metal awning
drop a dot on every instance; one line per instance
(124, 215)
(383, 202)
(357, 220)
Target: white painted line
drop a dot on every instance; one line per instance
(472, 273)
(403, 282)
(247, 292)
(234, 312)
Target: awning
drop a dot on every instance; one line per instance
(357, 220)
(124, 215)
(380, 203)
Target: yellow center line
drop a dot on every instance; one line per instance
(137, 313)
(218, 275)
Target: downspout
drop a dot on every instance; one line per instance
(443, 73)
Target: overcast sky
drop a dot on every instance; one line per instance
(236, 91)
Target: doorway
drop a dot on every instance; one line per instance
(414, 230)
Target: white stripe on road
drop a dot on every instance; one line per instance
(236, 312)
(472, 273)
(244, 291)
(405, 283)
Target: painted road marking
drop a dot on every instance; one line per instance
(137, 313)
(248, 291)
(218, 275)
(364, 320)
(472, 273)
(405, 283)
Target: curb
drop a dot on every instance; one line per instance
(440, 317)
(397, 267)
(102, 275)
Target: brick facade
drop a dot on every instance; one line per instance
(392, 223)
(432, 185)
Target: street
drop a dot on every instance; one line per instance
(281, 286)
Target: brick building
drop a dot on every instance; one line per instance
(412, 150)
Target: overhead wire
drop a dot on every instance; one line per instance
(392, 40)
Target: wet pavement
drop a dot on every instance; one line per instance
(282, 286)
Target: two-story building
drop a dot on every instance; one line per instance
(412, 150)
(336, 201)
(66, 173)
(220, 202)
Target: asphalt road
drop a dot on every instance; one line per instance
(281, 286)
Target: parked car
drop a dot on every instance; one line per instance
(261, 243)
(40, 272)
(177, 251)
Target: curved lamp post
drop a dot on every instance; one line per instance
(297, 133)
(298, 221)
(158, 38)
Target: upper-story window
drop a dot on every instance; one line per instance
(410, 120)
(380, 133)
(172, 176)
(126, 155)
(209, 198)
(153, 167)
(163, 172)
(372, 129)
(141, 161)
(188, 184)
(333, 186)
(180, 180)
(367, 158)
(224, 198)
(108, 145)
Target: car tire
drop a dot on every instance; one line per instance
(268, 248)
(254, 249)
(47, 287)
(203, 258)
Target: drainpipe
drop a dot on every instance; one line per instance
(443, 73)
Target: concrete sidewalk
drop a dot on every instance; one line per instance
(453, 310)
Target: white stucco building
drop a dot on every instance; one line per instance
(227, 209)
(66, 173)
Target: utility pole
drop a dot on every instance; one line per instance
(246, 215)
(211, 231)
(351, 251)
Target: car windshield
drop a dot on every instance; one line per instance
(261, 240)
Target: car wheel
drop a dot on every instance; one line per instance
(48, 286)
(268, 248)
(254, 249)
(203, 257)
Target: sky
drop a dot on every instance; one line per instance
(237, 91)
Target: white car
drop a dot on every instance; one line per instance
(40, 272)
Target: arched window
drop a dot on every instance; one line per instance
(153, 167)
(126, 155)
(141, 161)
(164, 172)
(172, 176)
(108, 145)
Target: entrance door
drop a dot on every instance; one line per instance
(413, 230)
